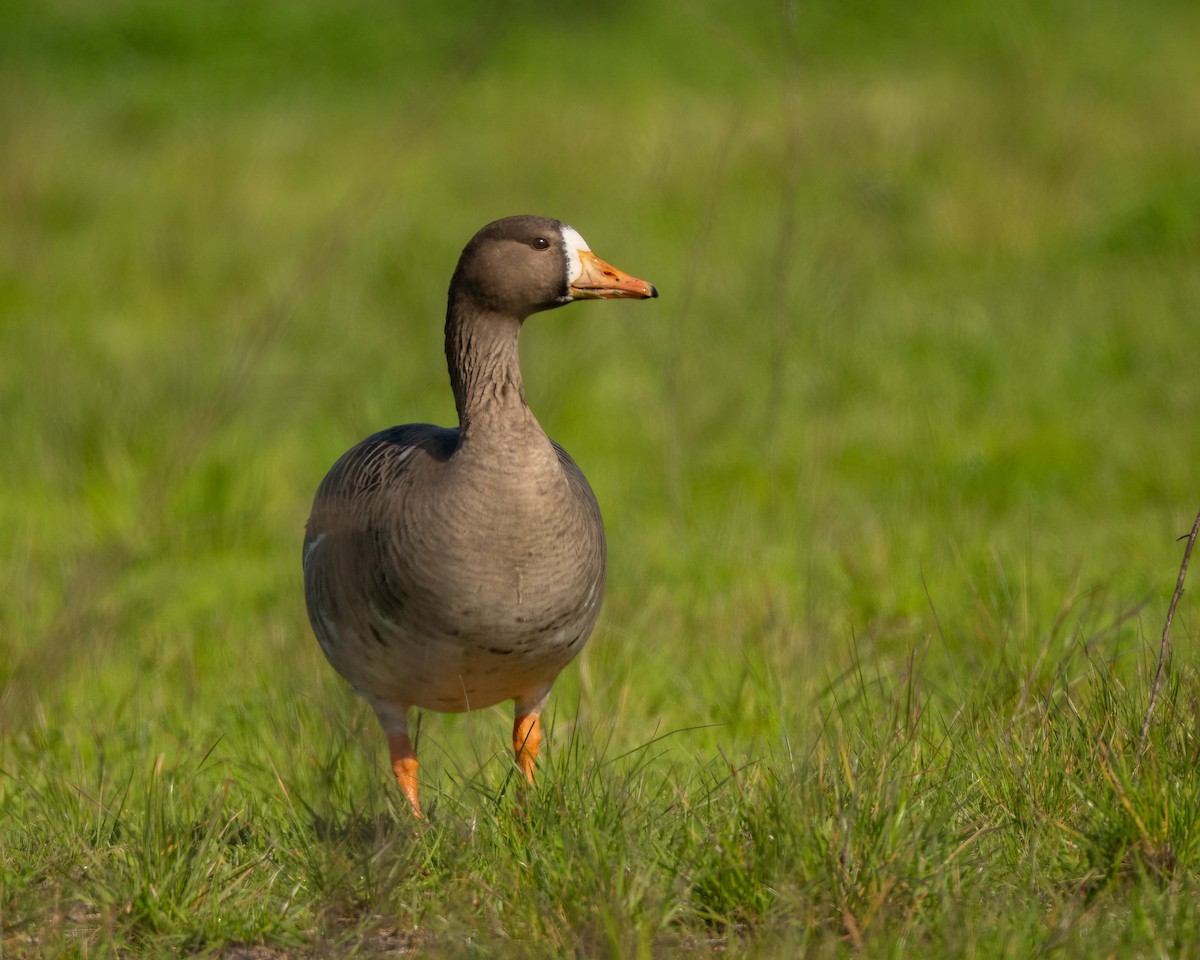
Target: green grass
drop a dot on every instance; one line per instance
(893, 475)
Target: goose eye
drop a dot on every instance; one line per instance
(540, 243)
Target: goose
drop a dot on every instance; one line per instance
(451, 569)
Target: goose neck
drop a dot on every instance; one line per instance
(484, 364)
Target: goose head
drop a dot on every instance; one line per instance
(521, 265)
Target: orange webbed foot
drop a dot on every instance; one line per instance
(527, 741)
(404, 766)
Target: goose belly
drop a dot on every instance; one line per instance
(464, 623)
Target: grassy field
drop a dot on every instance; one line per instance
(894, 474)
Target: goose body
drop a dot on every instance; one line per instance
(453, 569)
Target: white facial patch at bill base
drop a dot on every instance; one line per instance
(573, 243)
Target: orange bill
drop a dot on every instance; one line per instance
(598, 280)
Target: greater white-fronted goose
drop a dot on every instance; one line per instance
(452, 569)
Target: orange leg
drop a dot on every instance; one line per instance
(527, 741)
(404, 765)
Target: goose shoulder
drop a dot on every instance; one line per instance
(581, 490)
(387, 462)
(369, 483)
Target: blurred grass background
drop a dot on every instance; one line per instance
(920, 395)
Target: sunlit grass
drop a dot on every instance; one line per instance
(892, 477)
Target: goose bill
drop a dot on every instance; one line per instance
(598, 280)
